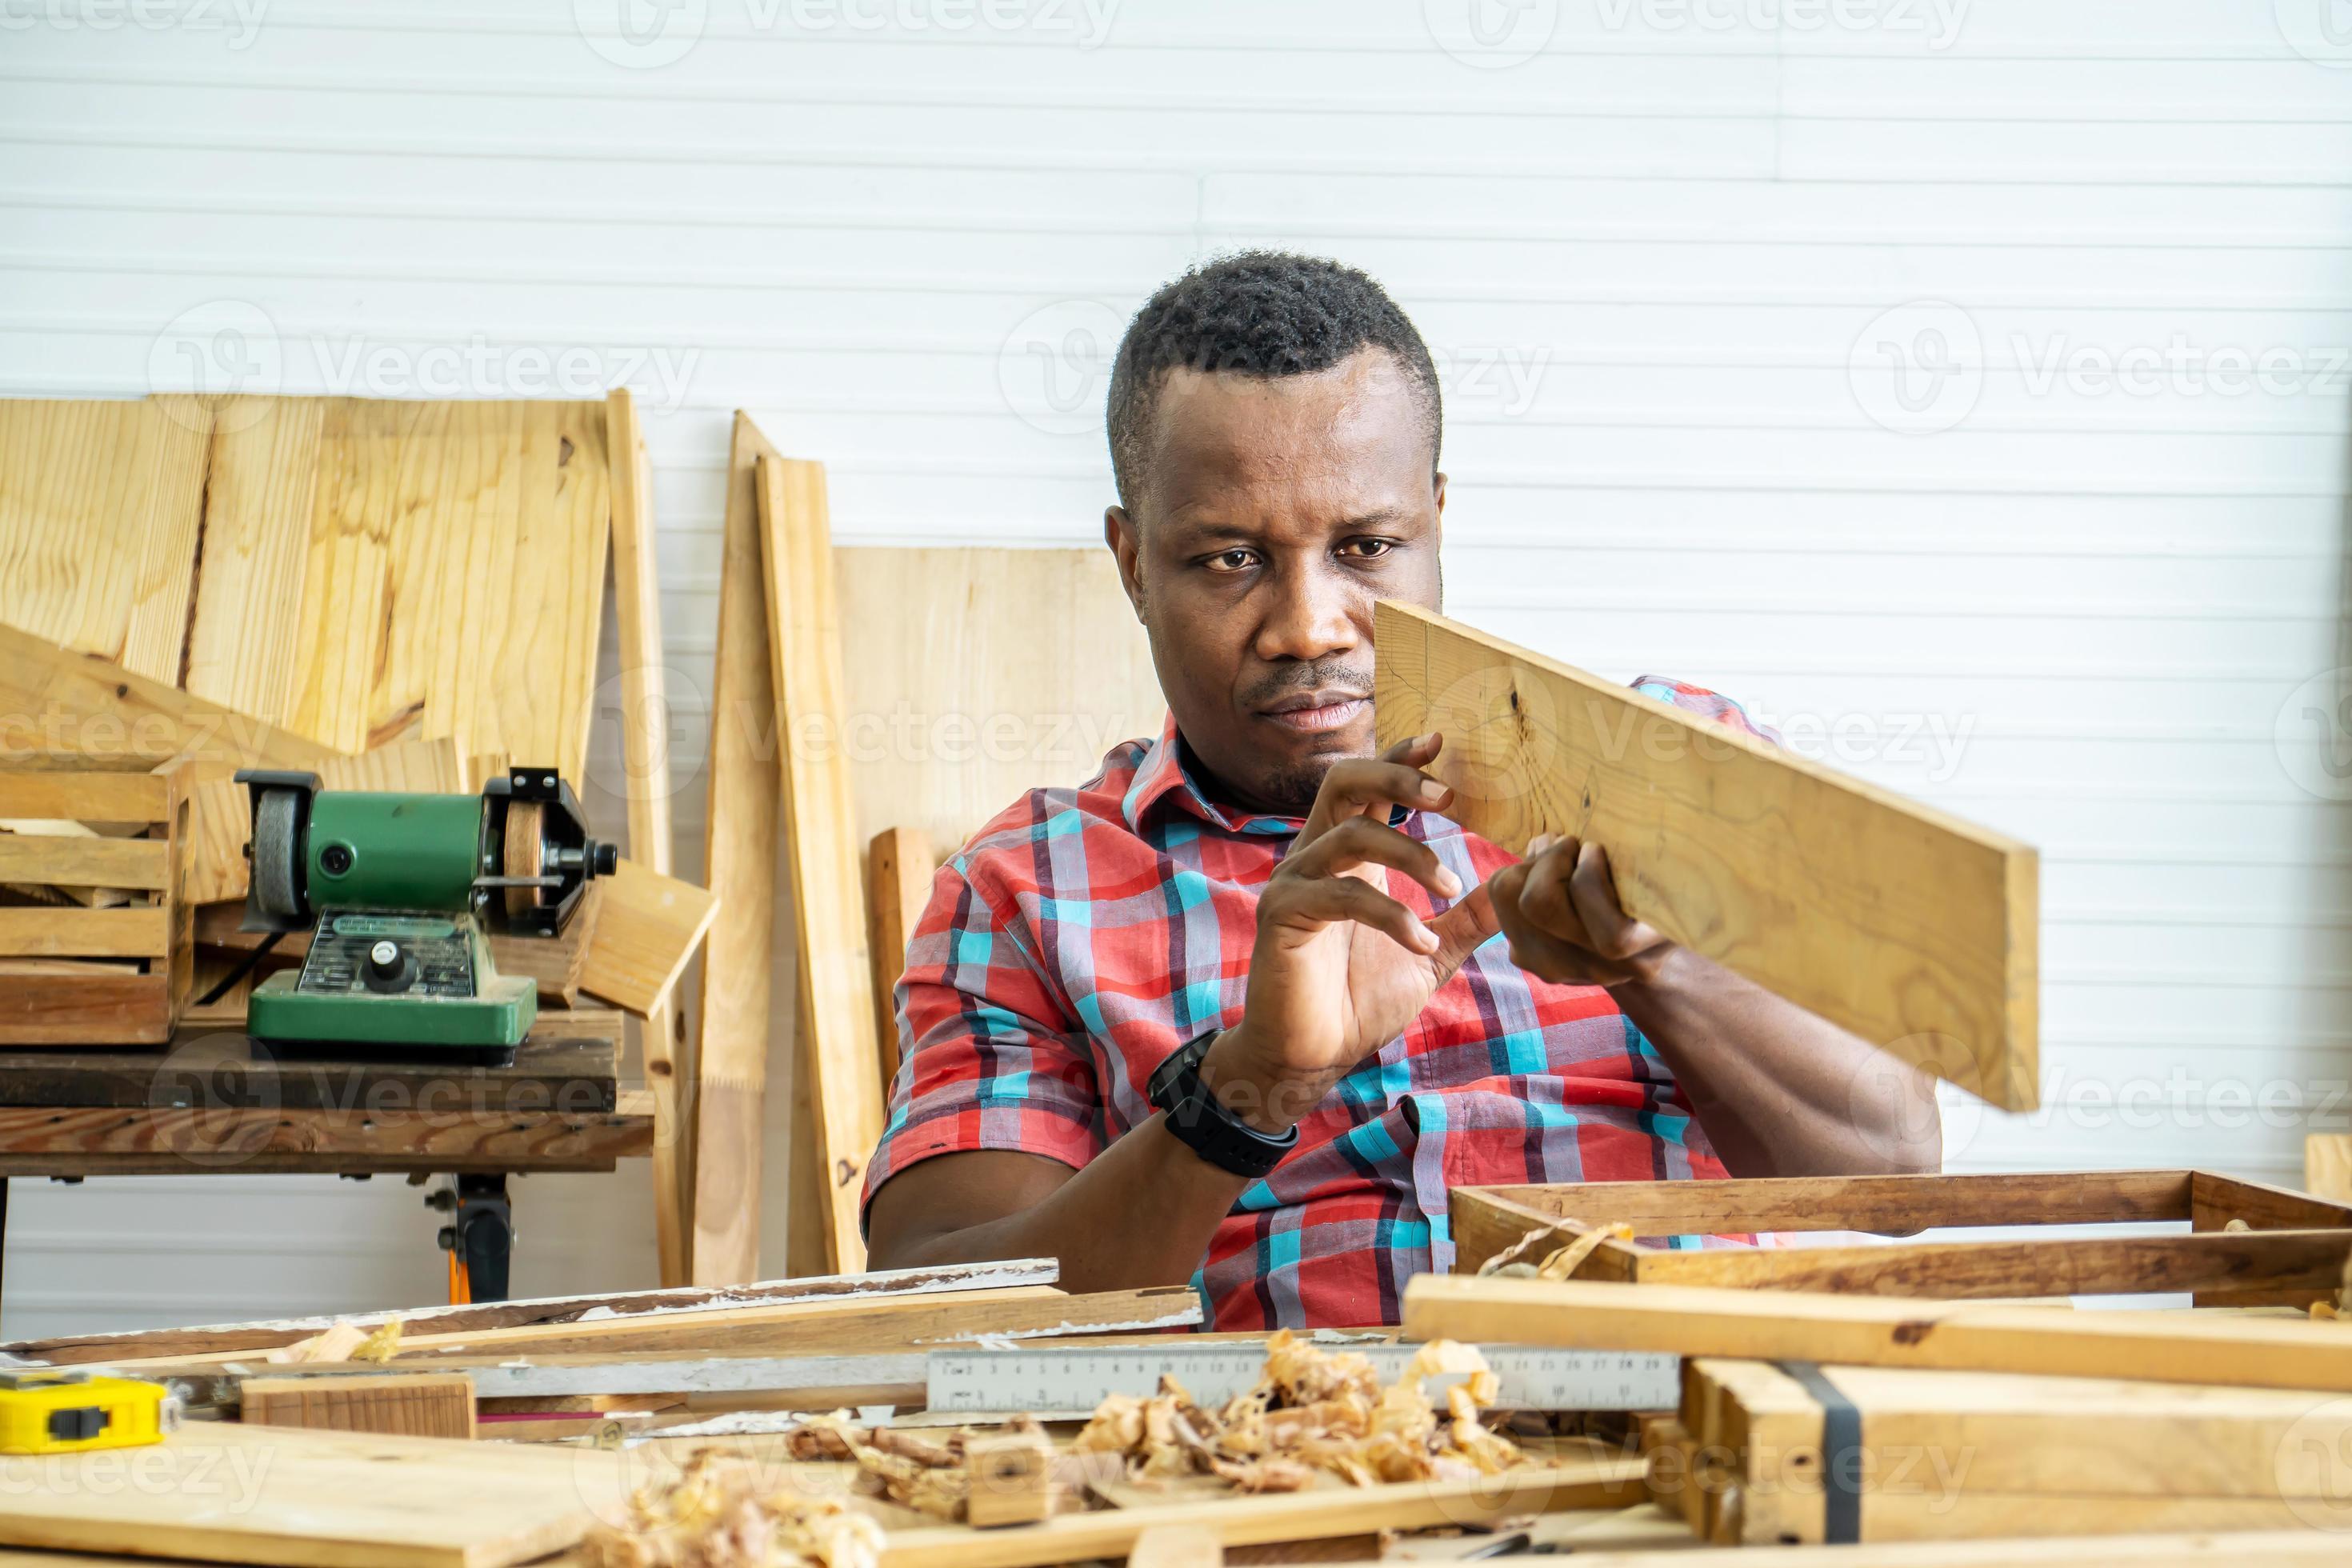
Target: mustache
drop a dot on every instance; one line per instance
(1320, 676)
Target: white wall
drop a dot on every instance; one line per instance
(1658, 256)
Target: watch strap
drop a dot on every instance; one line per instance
(1197, 1119)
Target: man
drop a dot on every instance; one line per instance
(1284, 929)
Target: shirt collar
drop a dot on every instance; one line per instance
(1165, 776)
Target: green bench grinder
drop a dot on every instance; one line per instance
(400, 893)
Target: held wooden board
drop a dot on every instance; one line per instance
(1913, 929)
(231, 1493)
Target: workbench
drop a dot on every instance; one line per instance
(212, 1102)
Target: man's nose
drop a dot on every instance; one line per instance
(1312, 617)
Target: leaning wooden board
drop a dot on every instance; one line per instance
(230, 1493)
(1904, 925)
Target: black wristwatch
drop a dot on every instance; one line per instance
(1200, 1121)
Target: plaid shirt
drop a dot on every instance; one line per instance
(1084, 934)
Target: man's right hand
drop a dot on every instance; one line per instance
(1339, 967)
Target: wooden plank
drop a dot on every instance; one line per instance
(1485, 1222)
(2216, 1201)
(1296, 1516)
(85, 795)
(232, 1493)
(645, 758)
(1693, 1321)
(721, 1169)
(900, 867)
(223, 812)
(2327, 1165)
(105, 1141)
(648, 929)
(417, 1404)
(1894, 1206)
(221, 1338)
(71, 1009)
(100, 509)
(555, 964)
(92, 862)
(84, 933)
(53, 699)
(837, 1042)
(1906, 925)
(243, 648)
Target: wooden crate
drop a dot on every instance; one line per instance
(78, 968)
(2247, 1243)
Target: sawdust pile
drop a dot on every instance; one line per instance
(715, 1515)
(1313, 1410)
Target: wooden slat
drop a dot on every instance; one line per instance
(79, 795)
(84, 933)
(721, 1169)
(1896, 1205)
(1692, 1320)
(84, 862)
(837, 1043)
(645, 751)
(416, 1404)
(899, 866)
(2327, 1165)
(223, 812)
(53, 699)
(233, 1493)
(76, 1009)
(243, 648)
(108, 1141)
(2216, 1200)
(648, 929)
(1906, 925)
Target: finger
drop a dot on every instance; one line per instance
(1464, 929)
(1415, 751)
(1307, 907)
(1355, 787)
(1547, 902)
(1540, 955)
(1360, 841)
(1593, 889)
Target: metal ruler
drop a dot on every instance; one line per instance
(1070, 1381)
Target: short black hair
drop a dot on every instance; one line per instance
(1264, 313)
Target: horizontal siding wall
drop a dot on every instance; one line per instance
(1665, 251)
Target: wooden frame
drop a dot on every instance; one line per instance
(72, 975)
(1916, 929)
(2290, 1250)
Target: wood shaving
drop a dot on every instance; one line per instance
(1562, 1264)
(379, 1346)
(1314, 1411)
(334, 1344)
(715, 1515)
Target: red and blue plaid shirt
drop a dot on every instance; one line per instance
(1086, 933)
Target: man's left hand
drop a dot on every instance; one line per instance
(1560, 908)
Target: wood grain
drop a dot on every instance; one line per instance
(900, 867)
(721, 1171)
(2327, 1165)
(182, 1140)
(645, 755)
(56, 700)
(1906, 925)
(243, 650)
(837, 1042)
(648, 929)
(416, 1404)
(233, 1493)
(84, 933)
(84, 862)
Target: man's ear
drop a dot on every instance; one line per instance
(1126, 544)
(1440, 537)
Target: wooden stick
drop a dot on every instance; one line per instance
(899, 866)
(1915, 930)
(1695, 1320)
(731, 1065)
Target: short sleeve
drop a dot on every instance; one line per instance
(988, 1056)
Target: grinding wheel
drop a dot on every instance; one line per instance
(276, 855)
(525, 853)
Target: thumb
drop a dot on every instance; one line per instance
(1462, 930)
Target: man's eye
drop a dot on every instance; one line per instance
(1232, 560)
(1368, 548)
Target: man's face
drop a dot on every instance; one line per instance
(1274, 514)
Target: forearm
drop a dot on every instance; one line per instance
(1779, 1090)
(1140, 1212)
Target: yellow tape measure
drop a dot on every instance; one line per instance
(67, 1412)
